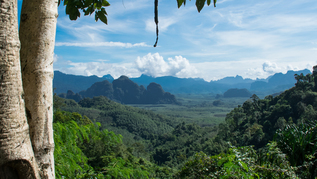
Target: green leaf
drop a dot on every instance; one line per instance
(96, 17)
(86, 12)
(89, 2)
(73, 12)
(98, 5)
(105, 3)
(200, 4)
(180, 2)
(244, 165)
(102, 16)
(215, 3)
(89, 10)
(78, 3)
(208, 2)
(104, 11)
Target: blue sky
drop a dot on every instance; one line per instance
(250, 38)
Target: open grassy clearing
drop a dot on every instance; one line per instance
(197, 109)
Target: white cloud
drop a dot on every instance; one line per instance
(102, 44)
(164, 23)
(98, 68)
(220, 69)
(270, 67)
(246, 39)
(154, 65)
(246, 68)
(275, 16)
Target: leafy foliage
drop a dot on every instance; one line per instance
(88, 7)
(84, 151)
(299, 143)
(257, 120)
(69, 159)
(290, 117)
(140, 123)
(199, 3)
(242, 162)
(173, 149)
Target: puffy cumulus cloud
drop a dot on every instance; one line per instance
(99, 68)
(254, 73)
(265, 69)
(155, 65)
(152, 65)
(247, 68)
(270, 67)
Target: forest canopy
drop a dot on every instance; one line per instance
(255, 139)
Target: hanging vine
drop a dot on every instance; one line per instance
(156, 20)
(199, 4)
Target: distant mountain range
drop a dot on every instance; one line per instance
(63, 82)
(125, 91)
(273, 84)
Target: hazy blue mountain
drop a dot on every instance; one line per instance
(273, 84)
(234, 80)
(155, 93)
(125, 91)
(235, 92)
(102, 88)
(288, 78)
(183, 85)
(277, 82)
(170, 83)
(63, 82)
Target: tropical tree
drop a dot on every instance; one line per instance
(299, 143)
(37, 37)
(26, 133)
(16, 153)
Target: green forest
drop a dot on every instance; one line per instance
(273, 137)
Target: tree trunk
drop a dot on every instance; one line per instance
(16, 154)
(37, 36)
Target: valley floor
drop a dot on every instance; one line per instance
(201, 109)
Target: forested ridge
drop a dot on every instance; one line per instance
(274, 137)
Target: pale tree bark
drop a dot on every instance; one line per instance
(16, 154)
(37, 36)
